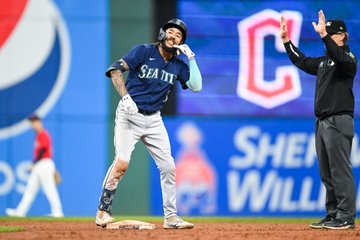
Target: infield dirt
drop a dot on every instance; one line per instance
(43, 230)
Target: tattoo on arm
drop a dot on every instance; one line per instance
(118, 80)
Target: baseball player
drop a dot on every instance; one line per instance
(42, 174)
(334, 110)
(153, 71)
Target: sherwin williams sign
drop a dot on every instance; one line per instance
(247, 167)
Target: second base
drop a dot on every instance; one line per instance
(130, 224)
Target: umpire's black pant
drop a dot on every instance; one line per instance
(333, 140)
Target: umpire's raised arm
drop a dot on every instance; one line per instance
(307, 64)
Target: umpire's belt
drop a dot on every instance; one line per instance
(146, 113)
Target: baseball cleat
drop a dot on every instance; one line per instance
(57, 215)
(320, 224)
(175, 222)
(13, 213)
(338, 224)
(103, 218)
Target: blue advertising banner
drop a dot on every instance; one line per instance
(52, 60)
(247, 167)
(245, 68)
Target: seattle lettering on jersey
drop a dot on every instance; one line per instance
(147, 72)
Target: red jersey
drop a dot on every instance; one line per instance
(42, 148)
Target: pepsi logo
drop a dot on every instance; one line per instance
(34, 61)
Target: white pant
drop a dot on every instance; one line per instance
(42, 175)
(129, 129)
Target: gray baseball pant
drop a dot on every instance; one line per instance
(129, 129)
(333, 140)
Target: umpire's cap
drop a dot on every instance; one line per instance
(177, 23)
(34, 117)
(335, 26)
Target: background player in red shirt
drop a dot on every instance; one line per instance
(42, 174)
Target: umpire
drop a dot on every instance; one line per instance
(334, 110)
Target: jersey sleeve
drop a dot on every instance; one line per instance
(307, 64)
(135, 56)
(43, 145)
(345, 59)
(44, 140)
(184, 75)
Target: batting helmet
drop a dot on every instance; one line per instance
(177, 23)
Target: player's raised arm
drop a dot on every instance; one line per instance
(195, 79)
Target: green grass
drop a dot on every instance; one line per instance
(4, 229)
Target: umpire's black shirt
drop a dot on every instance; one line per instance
(335, 76)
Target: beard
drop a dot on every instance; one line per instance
(167, 49)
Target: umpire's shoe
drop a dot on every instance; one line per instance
(103, 218)
(338, 224)
(320, 224)
(174, 222)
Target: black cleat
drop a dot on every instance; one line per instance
(321, 223)
(338, 224)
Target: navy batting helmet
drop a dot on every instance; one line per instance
(177, 23)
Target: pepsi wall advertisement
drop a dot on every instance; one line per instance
(245, 68)
(52, 60)
(247, 167)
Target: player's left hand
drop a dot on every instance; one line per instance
(184, 48)
(57, 177)
(129, 105)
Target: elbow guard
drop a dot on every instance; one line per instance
(118, 65)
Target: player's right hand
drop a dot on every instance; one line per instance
(129, 105)
(184, 48)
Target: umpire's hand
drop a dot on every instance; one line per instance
(320, 27)
(283, 30)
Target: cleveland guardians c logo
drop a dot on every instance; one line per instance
(34, 61)
(252, 85)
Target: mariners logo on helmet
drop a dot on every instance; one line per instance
(177, 23)
(34, 61)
